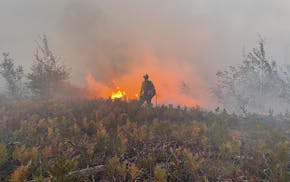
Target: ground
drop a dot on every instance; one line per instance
(48, 139)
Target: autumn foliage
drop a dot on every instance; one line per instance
(48, 139)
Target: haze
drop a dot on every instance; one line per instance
(188, 40)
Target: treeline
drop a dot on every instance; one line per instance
(257, 84)
(53, 140)
(48, 77)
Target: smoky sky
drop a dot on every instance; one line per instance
(106, 37)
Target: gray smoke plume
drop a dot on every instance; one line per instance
(111, 39)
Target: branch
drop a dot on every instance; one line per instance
(87, 171)
(82, 172)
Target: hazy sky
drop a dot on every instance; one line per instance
(90, 35)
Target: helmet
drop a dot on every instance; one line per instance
(146, 76)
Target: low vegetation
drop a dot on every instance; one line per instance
(42, 140)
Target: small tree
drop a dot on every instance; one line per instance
(256, 84)
(13, 76)
(47, 73)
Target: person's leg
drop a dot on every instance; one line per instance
(148, 101)
(141, 101)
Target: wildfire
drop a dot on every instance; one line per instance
(118, 94)
(136, 95)
(127, 86)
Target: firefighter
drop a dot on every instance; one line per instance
(147, 91)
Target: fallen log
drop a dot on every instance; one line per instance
(82, 172)
(87, 171)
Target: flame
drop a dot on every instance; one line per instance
(118, 94)
(127, 89)
(167, 82)
(124, 90)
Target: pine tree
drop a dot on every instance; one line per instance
(47, 73)
(13, 76)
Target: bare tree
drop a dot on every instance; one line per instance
(47, 73)
(13, 76)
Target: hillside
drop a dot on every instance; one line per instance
(49, 139)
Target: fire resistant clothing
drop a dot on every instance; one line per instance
(147, 91)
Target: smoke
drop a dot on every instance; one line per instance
(116, 44)
(181, 44)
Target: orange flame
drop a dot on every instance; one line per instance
(118, 94)
(128, 90)
(167, 82)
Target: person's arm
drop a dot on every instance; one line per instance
(142, 90)
(154, 89)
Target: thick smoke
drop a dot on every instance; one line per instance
(181, 44)
(122, 43)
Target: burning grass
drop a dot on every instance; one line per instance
(118, 94)
(173, 86)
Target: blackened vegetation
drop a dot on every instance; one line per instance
(53, 139)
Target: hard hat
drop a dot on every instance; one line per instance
(146, 76)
